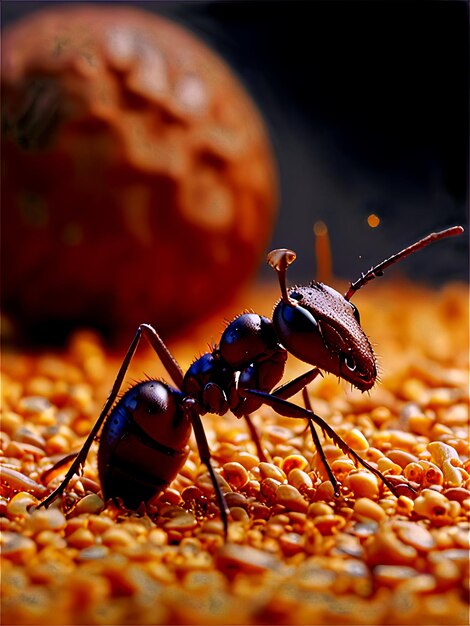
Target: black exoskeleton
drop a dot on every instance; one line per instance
(144, 435)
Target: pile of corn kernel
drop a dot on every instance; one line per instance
(295, 554)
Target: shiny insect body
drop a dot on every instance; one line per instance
(144, 434)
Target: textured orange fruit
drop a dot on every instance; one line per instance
(138, 180)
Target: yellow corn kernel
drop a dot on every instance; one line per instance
(356, 440)
(363, 484)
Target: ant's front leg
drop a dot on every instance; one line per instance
(289, 389)
(172, 368)
(318, 446)
(284, 391)
(288, 409)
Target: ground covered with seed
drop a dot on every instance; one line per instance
(295, 553)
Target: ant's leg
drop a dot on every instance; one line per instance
(297, 384)
(288, 409)
(284, 391)
(171, 366)
(165, 356)
(46, 476)
(255, 438)
(205, 456)
(318, 446)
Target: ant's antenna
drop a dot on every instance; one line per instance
(324, 265)
(378, 270)
(280, 260)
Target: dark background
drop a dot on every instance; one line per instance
(367, 107)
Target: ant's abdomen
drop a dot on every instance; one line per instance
(143, 444)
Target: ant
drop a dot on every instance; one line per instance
(144, 434)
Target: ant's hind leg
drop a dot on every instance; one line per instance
(48, 474)
(172, 368)
(165, 356)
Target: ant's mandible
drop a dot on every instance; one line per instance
(144, 439)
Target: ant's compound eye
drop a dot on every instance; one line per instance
(295, 319)
(356, 313)
(349, 362)
(296, 327)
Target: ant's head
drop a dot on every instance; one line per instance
(320, 326)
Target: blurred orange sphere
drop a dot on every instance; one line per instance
(138, 183)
